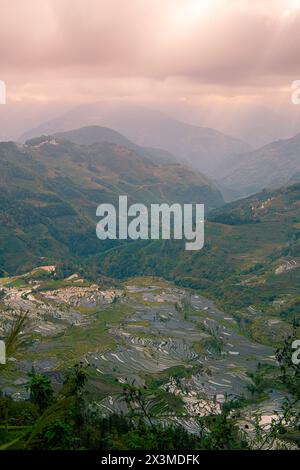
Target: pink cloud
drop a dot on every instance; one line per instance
(57, 48)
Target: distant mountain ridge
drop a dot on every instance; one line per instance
(89, 135)
(203, 148)
(274, 165)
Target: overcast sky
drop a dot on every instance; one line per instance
(222, 55)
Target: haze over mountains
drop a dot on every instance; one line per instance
(238, 170)
(96, 134)
(273, 165)
(202, 148)
(127, 329)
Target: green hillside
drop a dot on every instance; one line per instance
(250, 263)
(50, 189)
(89, 135)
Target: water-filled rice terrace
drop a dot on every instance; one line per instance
(178, 346)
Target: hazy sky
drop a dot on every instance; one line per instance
(213, 56)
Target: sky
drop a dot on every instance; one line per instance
(211, 62)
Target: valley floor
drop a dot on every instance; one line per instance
(187, 354)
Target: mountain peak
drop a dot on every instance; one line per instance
(203, 148)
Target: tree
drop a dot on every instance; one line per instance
(41, 391)
(14, 336)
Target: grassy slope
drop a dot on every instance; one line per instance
(49, 194)
(237, 265)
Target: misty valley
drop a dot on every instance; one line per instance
(114, 342)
